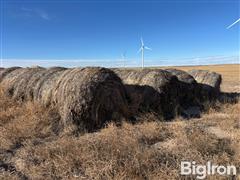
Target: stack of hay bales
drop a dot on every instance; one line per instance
(169, 91)
(208, 82)
(90, 97)
(87, 97)
(151, 90)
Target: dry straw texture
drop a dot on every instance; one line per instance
(88, 97)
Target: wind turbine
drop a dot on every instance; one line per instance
(233, 23)
(142, 48)
(124, 59)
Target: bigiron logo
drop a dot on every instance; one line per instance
(202, 171)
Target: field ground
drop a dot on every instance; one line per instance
(32, 147)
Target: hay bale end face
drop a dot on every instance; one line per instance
(87, 97)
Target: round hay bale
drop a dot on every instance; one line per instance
(151, 90)
(208, 84)
(187, 88)
(212, 79)
(90, 97)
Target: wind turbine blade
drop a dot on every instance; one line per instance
(142, 41)
(148, 48)
(233, 23)
(139, 50)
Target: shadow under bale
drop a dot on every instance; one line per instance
(87, 97)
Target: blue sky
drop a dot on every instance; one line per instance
(102, 30)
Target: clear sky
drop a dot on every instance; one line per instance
(102, 30)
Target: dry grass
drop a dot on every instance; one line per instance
(33, 145)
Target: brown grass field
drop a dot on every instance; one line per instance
(32, 147)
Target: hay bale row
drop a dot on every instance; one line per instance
(198, 87)
(166, 92)
(88, 97)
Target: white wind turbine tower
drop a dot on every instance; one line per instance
(142, 48)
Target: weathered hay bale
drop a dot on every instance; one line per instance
(156, 78)
(88, 97)
(187, 88)
(212, 79)
(208, 84)
(151, 90)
